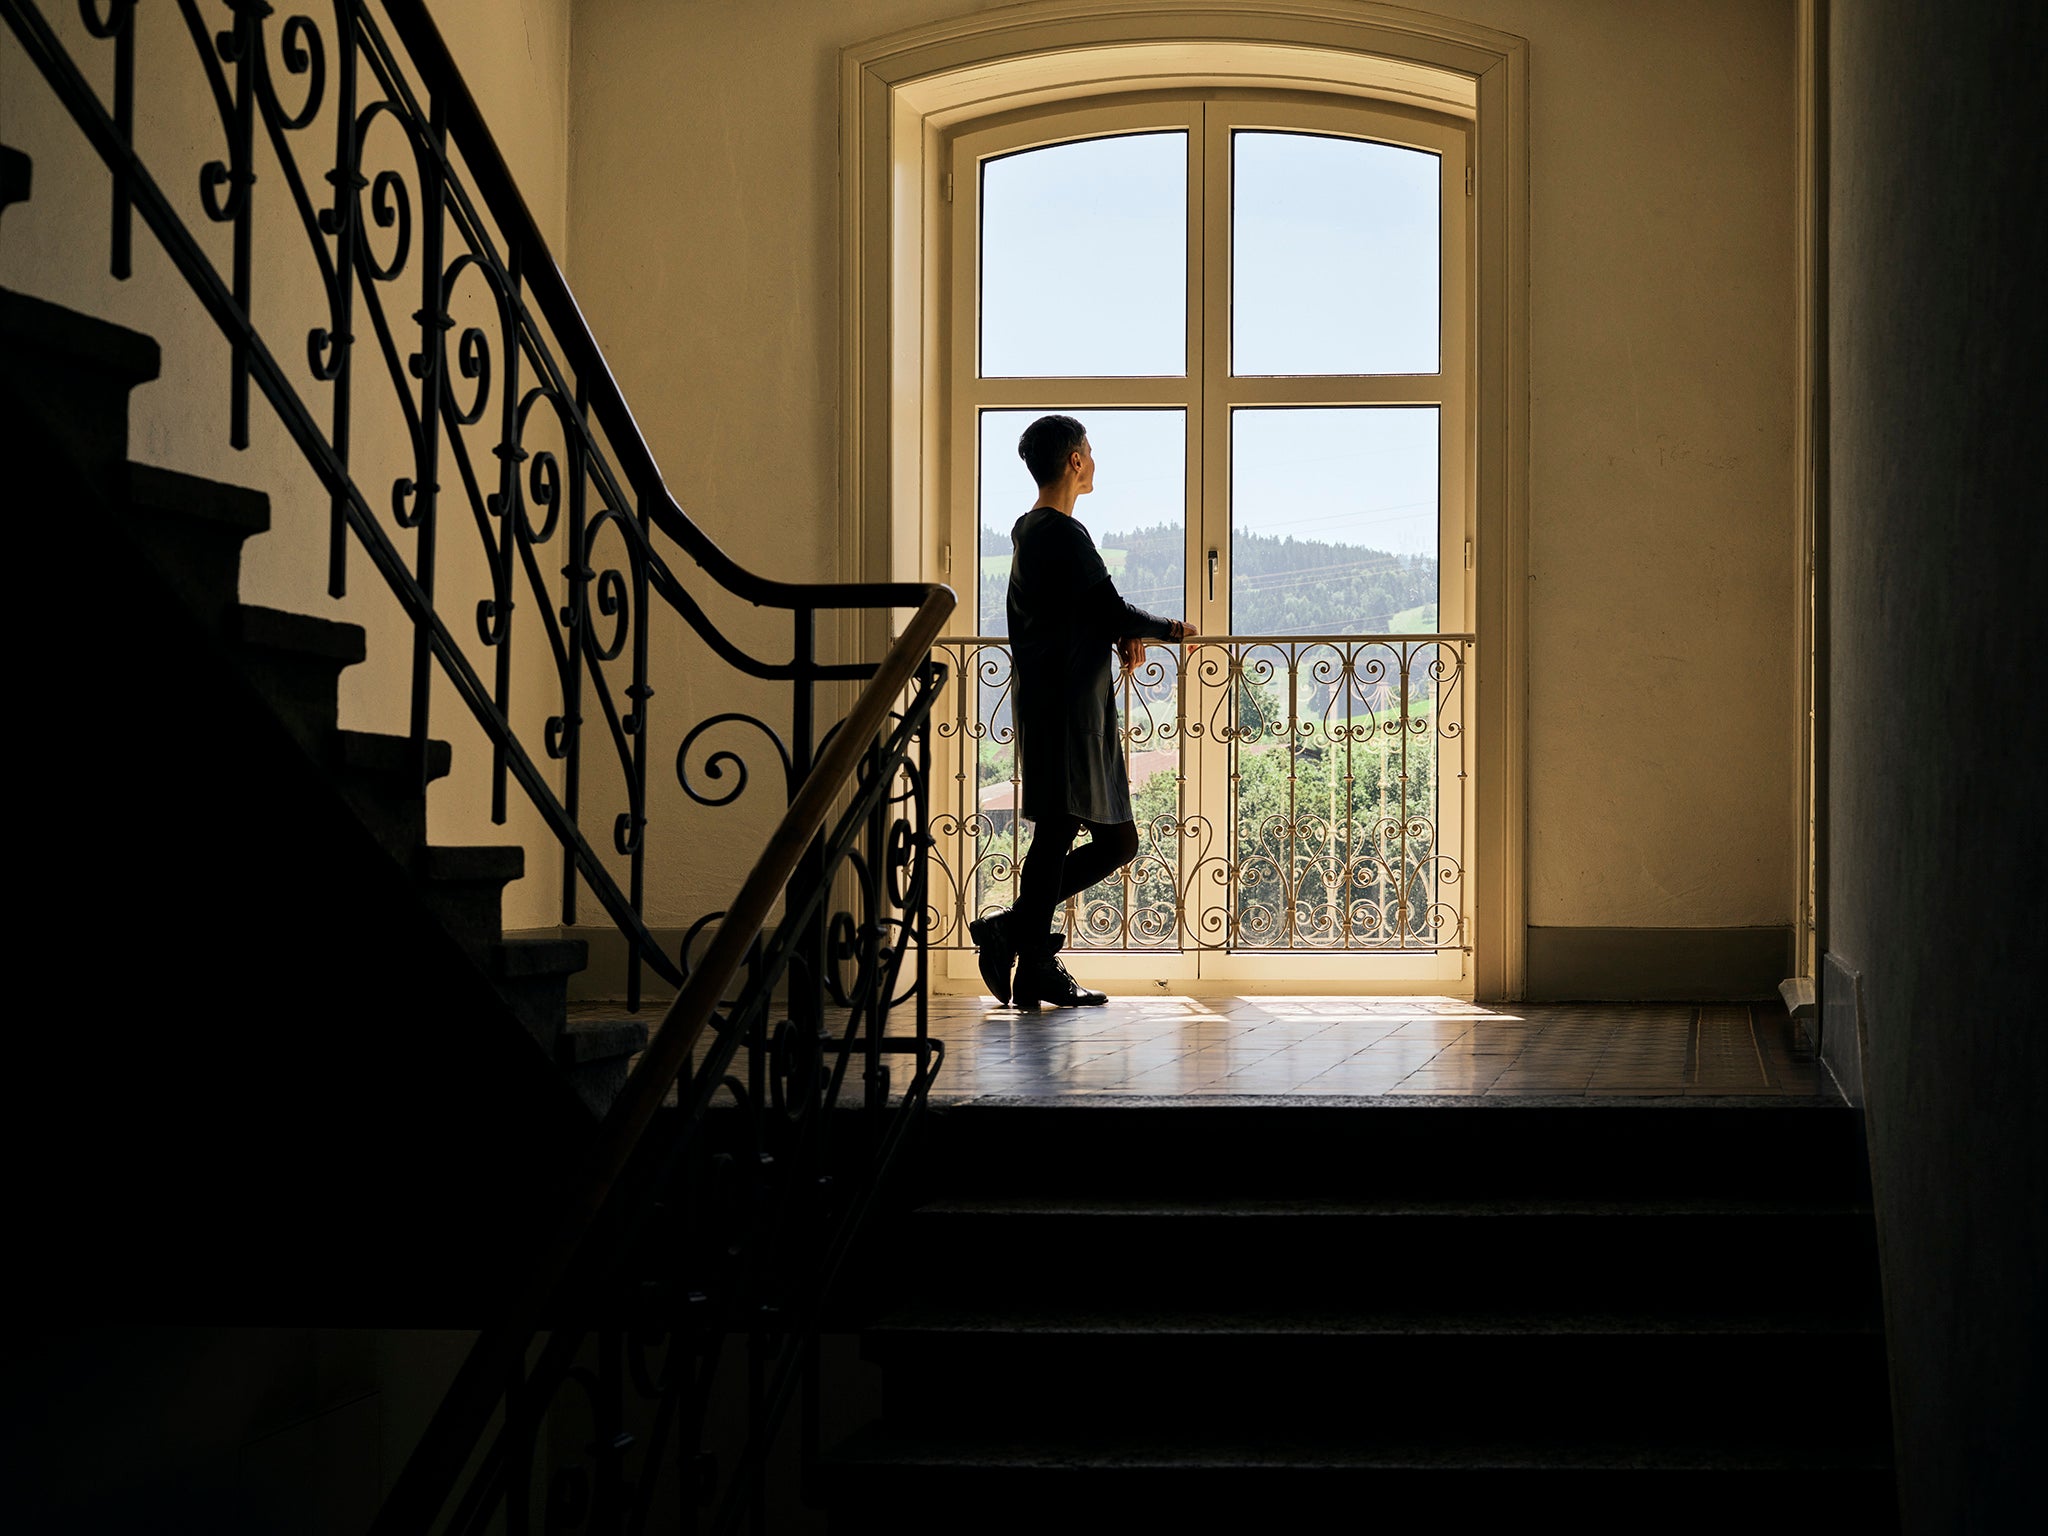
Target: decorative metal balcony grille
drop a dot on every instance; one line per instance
(1294, 794)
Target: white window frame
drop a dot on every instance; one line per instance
(1208, 391)
(903, 92)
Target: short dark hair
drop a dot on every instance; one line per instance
(1045, 445)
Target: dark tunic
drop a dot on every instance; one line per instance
(1065, 616)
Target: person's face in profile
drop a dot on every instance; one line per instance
(1087, 455)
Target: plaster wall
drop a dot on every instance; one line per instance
(515, 58)
(704, 229)
(1937, 326)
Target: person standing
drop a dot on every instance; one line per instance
(1067, 620)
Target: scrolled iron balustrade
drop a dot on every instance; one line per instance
(707, 1203)
(697, 1233)
(1332, 823)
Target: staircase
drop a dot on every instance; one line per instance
(303, 1072)
(189, 534)
(333, 1021)
(1634, 1316)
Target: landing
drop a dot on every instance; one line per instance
(1369, 1047)
(1397, 1049)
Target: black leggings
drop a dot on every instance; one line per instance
(1051, 873)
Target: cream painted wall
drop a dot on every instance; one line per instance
(1661, 523)
(516, 60)
(704, 233)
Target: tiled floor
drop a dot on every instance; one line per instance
(1369, 1047)
(1391, 1047)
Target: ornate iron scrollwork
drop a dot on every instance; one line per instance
(1339, 758)
(422, 265)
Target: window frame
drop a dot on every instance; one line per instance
(1209, 392)
(901, 90)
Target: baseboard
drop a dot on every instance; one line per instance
(1841, 1026)
(1657, 964)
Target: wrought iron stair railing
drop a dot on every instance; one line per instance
(396, 252)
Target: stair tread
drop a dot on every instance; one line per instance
(601, 1038)
(883, 1446)
(1107, 1207)
(32, 323)
(1323, 1321)
(377, 752)
(490, 863)
(542, 957)
(995, 1108)
(279, 630)
(168, 490)
(16, 175)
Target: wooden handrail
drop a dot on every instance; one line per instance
(479, 1384)
(683, 1024)
(465, 1410)
(464, 1414)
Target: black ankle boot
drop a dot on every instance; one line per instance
(996, 951)
(1041, 978)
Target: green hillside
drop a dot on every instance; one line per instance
(1279, 585)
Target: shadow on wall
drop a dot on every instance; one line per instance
(1938, 367)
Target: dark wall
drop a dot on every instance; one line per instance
(1938, 266)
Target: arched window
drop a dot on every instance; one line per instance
(1260, 305)
(1332, 91)
(1264, 305)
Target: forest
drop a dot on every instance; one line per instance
(1279, 586)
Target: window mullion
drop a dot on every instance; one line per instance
(1340, 389)
(1081, 393)
(1210, 528)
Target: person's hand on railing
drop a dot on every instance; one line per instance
(1131, 649)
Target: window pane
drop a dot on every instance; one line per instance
(1137, 512)
(1333, 523)
(1334, 256)
(1333, 782)
(1084, 259)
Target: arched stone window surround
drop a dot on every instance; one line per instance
(901, 93)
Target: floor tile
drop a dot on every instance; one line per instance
(1399, 1047)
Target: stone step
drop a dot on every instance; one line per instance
(532, 975)
(297, 661)
(597, 1054)
(518, 958)
(238, 512)
(376, 753)
(1415, 1375)
(17, 175)
(488, 863)
(192, 530)
(1129, 1481)
(1231, 1251)
(1664, 1149)
(65, 379)
(586, 1040)
(465, 886)
(36, 325)
(300, 634)
(378, 775)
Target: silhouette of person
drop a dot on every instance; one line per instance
(1067, 619)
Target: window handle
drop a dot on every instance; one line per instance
(1212, 575)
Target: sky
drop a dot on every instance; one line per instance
(1334, 247)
